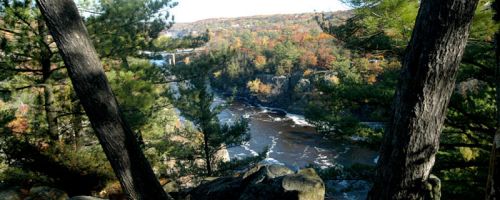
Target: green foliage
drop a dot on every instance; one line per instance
(121, 28)
(30, 61)
(139, 97)
(350, 96)
(285, 57)
(194, 101)
(383, 25)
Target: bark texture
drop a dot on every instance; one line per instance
(493, 184)
(50, 112)
(426, 83)
(91, 85)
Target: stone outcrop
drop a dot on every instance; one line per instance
(35, 193)
(263, 182)
(11, 194)
(43, 192)
(85, 198)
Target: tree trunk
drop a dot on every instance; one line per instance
(50, 113)
(45, 62)
(91, 85)
(205, 126)
(493, 184)
(76, 121)
(426, 83)
(207, 154)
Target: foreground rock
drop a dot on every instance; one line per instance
(85, 198)
(264, 183)
(11, 194)
(35, 193)
(43, 192)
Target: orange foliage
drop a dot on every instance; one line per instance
(371, 79)
(260, 61)
(325, 58)
(323, 36)
(20, 124)
(308, 59)
(308, 72)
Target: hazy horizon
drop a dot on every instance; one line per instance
(195, 10)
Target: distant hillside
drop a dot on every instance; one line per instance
(298, 22)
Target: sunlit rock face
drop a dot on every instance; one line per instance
(263, 182)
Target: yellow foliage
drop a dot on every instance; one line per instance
(217, 74)
(237, 43)
(468, 153)
(334, 79)
(256, 86)
(253, 86)
(187, 60)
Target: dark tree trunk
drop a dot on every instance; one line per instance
(206, 129)
(91, 85)
(493, 184)
(426, 83)
(207, 154)
(76, 121)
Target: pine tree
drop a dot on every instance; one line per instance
(195, 102)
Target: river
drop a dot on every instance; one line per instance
(295, 143)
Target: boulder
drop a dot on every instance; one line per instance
(263, 182)
(11, 194)
(306, 183)
(43, 192)
(85, 198)
(171, 186)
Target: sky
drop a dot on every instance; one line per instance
(194, 10)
